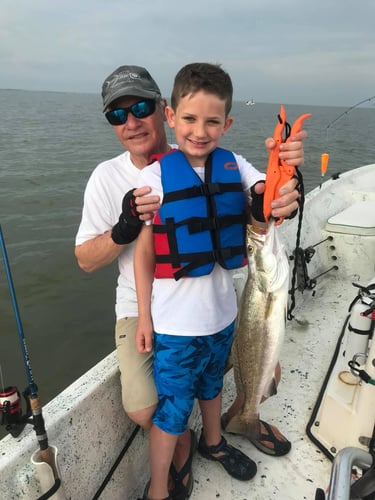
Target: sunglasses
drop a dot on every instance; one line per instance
(140, 109)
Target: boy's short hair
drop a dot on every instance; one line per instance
(210, 78)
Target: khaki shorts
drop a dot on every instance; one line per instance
(136, 370)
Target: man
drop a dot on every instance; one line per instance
(112, 215)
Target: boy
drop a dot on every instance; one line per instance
(198, 235)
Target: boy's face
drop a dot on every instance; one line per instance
(199, 121)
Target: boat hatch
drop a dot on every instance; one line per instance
(358, 219)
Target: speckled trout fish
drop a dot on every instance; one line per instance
(260, 323)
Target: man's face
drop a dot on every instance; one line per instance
(142, 137)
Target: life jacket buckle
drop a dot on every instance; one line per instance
(210, 188)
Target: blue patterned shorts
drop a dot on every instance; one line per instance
(185, 368)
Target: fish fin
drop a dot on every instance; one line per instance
(235, 425)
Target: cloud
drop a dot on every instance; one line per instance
(318, 52)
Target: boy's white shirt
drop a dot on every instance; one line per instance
(195, 306)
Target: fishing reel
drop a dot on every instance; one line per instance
(302, 258)
(11, 410)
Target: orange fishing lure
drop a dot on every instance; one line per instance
(278, 171)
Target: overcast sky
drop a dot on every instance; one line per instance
(289, 51)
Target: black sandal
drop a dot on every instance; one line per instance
(181, 491)
(236, 463)
(278, 447)
(145, 494)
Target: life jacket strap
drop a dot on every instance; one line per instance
(198, 259)
(204, 189)
(198, 224)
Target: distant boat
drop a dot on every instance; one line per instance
(250, 103)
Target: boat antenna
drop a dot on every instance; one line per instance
(46, 452)
(325, 156)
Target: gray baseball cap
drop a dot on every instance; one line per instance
(129, 81)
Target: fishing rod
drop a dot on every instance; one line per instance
(45, 452)
(325, 156)
(348, 110)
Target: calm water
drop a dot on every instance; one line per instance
(49, 144)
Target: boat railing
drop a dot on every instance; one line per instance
(341, 474)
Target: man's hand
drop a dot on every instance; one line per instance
(285, 206)
(146, 205)
(129, 225)
(256, 192)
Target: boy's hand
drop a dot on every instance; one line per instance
(144, 336)
(291, 151)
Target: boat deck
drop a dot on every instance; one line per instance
(87, 424)
(305, 358)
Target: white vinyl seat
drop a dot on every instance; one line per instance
(357, 219)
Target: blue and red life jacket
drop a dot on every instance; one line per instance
(199, 223)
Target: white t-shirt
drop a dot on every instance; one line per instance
(105, 190)
(202, 305)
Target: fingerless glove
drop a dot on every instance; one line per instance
(128, 226)
(257, 204)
